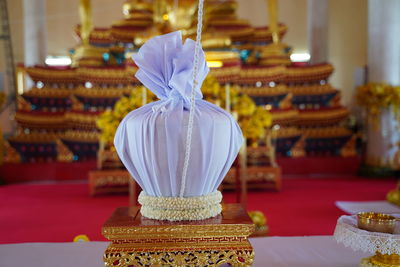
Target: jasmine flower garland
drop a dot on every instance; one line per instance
(180, 208)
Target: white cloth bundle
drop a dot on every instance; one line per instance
(150, 140)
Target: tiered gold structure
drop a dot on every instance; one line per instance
(57, 116)
(139, 241)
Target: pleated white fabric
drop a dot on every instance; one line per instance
(150, 141)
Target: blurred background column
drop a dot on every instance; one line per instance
(317, 30)
(383, 66)
(35, 32)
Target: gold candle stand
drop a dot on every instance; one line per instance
(139, 241)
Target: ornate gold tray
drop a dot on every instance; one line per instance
(138, 241)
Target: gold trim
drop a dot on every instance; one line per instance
(262, 73)
(86, 118)
(53, 75)
(11, 154)
(34, 138)
(103, 75)
(44, 119)
(312, 89)
(112, 180)
(291, 114)
(316, 72)
(265, 91)
(146, 22)
(326, 132)
(48, 92)
(129, 232)
(64, 154)
(98, 92)
(86, 136)
(286, 132)
(237, 258)
(265, 34)
(321, 116)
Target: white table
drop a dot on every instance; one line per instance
(310, 251)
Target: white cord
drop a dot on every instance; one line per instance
(193, 95)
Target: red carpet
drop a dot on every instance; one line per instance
(46, 171)
(319, 165)
(64, 171)
(59, 212)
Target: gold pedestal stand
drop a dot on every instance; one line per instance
(139, 241)
(381, 260)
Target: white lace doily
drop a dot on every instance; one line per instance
(350, 235)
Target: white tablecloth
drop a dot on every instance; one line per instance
(354, 207)
(310, 251)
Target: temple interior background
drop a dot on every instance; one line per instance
(347, 30)
(313, 84)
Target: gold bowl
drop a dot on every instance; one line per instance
(376, 222)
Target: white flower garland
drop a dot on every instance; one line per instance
(180, 208)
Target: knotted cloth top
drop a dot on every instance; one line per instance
(166, 68)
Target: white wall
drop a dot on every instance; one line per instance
(62, 17)
(291, 12)
(347, 43)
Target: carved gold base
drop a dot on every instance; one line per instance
(181, 258)
(381, 260)
(139, 241)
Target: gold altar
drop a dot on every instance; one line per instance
(138, 241)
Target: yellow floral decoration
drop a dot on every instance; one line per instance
(377, 96)
(258, 218)
(109, 120)
(253, 120)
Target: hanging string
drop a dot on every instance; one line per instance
(192, 97)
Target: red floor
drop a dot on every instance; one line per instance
(65, 171)
(58, 212)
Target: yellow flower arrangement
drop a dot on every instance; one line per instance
(252, 119)
(377, 96)
(211, 88)
(109, 120)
